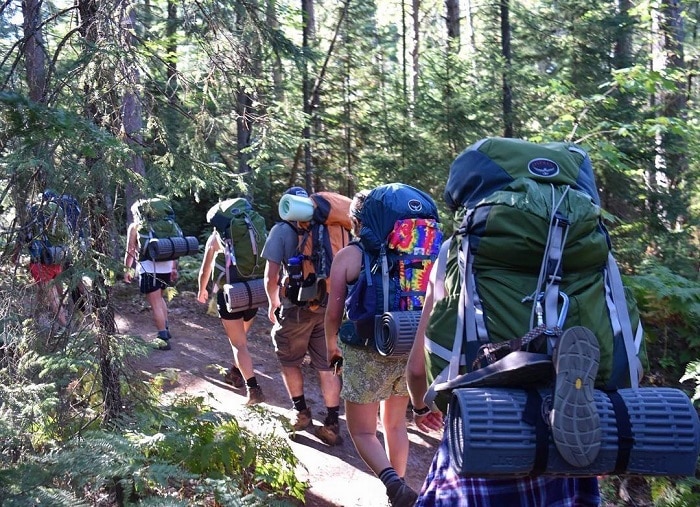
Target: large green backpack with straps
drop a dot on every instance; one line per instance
(156, 220)
(530, 253)
(243, 231)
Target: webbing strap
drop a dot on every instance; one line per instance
(553, 259)
(465, 323)
(440, 269)
(437, 276)
(323, 268)
(250, 293)
(532, 415)
(625, 438)
(385, 278)
(632, 342)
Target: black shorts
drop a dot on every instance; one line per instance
(151, 282)
(224, 314)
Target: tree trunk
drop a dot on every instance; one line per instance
(415, 53)
(171, 54)
(671, 164)
(507, 97)
(308, 35)
(277, 72)
(132, 121)
(34, 50)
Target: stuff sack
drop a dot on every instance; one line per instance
(400, 238)
(243, 232)
(531, 257)
(320, 238)
(159, 235)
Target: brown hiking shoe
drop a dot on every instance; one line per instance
(234, 377)
(300, 419)
(255, 396)
(329, 434)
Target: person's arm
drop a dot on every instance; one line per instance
(210, 250)
(344, 269)
(130, 252)
(426, 418)
(272, 289)
(173, 270)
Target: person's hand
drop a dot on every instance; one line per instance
(203, 296)
(432, 421)
(272, 312)
(336, 363)
(128, 275)
(173, 273)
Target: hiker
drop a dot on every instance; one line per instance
(444, 487)
(296, 331)
(236, 325)
(154, 278)
(46, 236)
(372, 383)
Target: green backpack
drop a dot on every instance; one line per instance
(243, 232)
(530, 258)
(156, 220)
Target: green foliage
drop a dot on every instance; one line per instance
(187, 449)
(219, 87)
(670, 307)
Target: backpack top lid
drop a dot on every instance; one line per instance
(494, 162)
(153, 209)
(331, 208)
(220, 215)
(386, 204)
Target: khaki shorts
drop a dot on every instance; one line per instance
(298, 331)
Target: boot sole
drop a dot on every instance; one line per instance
(574, 418)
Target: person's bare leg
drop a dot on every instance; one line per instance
(159, 308)
(236, 333)
(362, 426)
(293, 380)
(53, 298)
(393, 415)
(330, 387)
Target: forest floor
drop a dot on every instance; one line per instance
(200, 354)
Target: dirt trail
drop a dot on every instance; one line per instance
(200, 351)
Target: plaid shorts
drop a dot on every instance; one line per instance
(443, 487)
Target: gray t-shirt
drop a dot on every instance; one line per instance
(281, 244)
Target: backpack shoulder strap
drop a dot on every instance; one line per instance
(632, 341)
(440, 269)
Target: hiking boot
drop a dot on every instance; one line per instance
(162, 342)
(329, 434)
(255, 396)
(404, 496)
(574, 417)
(234, 377)
(300, 419)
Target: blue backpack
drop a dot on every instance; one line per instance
(400, 239)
